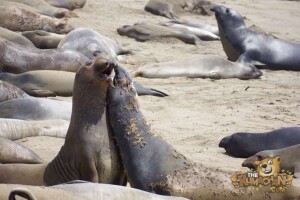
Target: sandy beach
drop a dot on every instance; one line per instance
(200, 112)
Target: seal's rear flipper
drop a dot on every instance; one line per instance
(41, 93)
(22, 192)
(148, 91)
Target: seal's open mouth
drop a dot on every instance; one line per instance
(105, 73)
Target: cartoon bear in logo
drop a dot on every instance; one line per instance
(268, 166)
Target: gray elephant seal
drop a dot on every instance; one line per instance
(246, 46)
(15, 37)
(46, 83)
(17, 59)
(243, 145)
(153, 165)
(12, 152)
(200, 66)
(42, 39)
(92, 44)
(89, 152)
(32, 108)
(19, 19)
(171, 8)
(9, 91)
(42, 7)
(148, 31)
(290, 158)
(78, 191)
(68, 4)
(15, 129)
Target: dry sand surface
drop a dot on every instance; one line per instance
(200, 112)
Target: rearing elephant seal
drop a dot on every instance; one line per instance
(89, 152)
(247, 46)
(152, 164)
(243, 145)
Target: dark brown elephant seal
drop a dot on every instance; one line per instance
(171, 8)
(19, 19)
(15, 37)
(9, 91)
(290, 158)
(149, 31)
(153, 165)
(68, 4)
(89, 152)
(12, 152)
(17, 59)
(42, 7)
(243, 144)
(43, 39)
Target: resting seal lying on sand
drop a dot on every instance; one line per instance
(243, 145)
(17, 59)
(15, 37)
(68, 4)
(42, 39)
(9, 91)
(200, 66)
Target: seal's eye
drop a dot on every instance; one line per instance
(227, 10)
(96, 53)
(270, 162)
(88, 63)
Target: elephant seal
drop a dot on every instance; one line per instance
(78, 191)
(15, 129)
(148, 31)
(42, 7)
(68, 4)
(15, 37)
(17, 59)
(151, 164)
(200, 33)
(19, 19)
(42, 39)
(12, 152)
(89, 152)
(9, 91)
(32, 108)
(243, 145)
(200, 66)
(92, 44)
(170, 8)
(247, 46)
(46, 83)
(290, 158)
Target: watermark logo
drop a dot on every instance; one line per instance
(267, 173)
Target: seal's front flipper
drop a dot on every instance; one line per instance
(41, 93)
(246, 59)
(214, 75)
(148, 91)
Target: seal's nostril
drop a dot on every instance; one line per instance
(88, 63)
(264, 166)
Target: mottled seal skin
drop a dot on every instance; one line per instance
(42, 7)
(19, 19)
(243, 145)
(137, 143)
(42, 39)
(32, 108)
(9, 91)
(12, 152)
(151, 164)
(89, 152)
(51, 83)
(247, 46)
(15, 129)
(290, 158)
(17, 59)
(15, 37)
(200, 66)
(78, 191)
(148, 31)
(171, 8)
(91, 44)
(68, 4)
